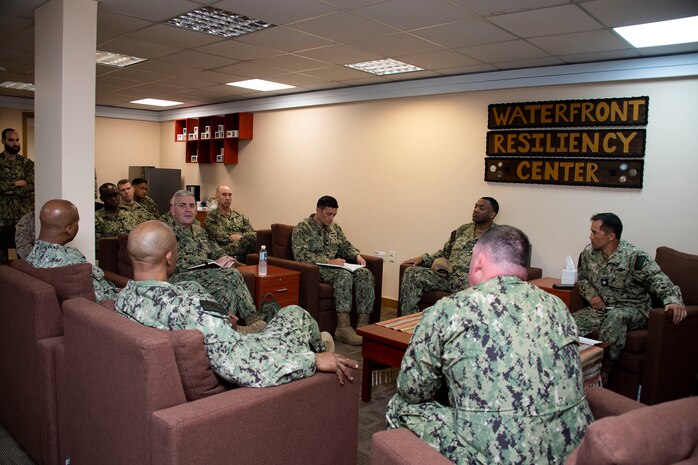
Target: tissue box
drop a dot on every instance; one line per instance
(568, 277)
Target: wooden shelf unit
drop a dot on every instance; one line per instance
(206, 143)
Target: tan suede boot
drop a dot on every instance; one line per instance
(253, 324)
(344, 332)
(363, 320)
(329, 342)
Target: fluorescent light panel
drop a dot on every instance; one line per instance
(261, 85)
(18, 85)
(156, 102)
(218, 22)
(116, 60)
(675, 31)
(383, 67)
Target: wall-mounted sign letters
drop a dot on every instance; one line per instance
(527, 143)
(572, 172)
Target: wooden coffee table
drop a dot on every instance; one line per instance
(280, 282)
(381, 345)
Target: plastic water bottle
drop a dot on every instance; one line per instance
(263, 261)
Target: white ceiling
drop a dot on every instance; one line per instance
(313, 39)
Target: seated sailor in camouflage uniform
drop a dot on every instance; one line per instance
(507, 353)
(59, 225)
(230, 229)
(225, 284)
(128, 202)
(290, 347)
(140, 195)
(317, 239)
(616, 278)
(111, 220)
(419, 278)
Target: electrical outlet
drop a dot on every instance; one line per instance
(391, 256)
(379, 254)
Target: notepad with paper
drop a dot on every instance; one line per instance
(347, 266)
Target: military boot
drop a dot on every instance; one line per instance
(363, 320)
(253, 324)
(329, 342)
(344, 332)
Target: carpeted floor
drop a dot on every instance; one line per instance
(371, 414)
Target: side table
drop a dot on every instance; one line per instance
(566, 295)
(280, 282)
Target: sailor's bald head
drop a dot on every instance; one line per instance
(150, 242)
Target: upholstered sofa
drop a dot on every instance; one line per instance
(429, 298)
(314, 296)
(624, 432)
(660, 363)
(31, 330)
(116, 264)
(146, 396)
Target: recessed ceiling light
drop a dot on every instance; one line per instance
(116, 60)
(218, 22)
(675, 31)
(383, 67)
(18, 85)
(260, 84)
(156, 102)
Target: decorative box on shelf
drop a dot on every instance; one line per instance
(230, 129)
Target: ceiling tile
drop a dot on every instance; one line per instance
(174, 36)
(504, 51)
(11, 25)
(339, 54)
(198, 59)
(546, 21)
(137, 48)
(338, 73)
(290, 62)
(281, 38)
(396, 44)
(614, 13)
(250, 70)
(151, 10)
(438, 59)
(592, 41)
(600, 56)
(174, 69)
(277, 11)
(464, 34)
(111, 25)
(413, 14)
(343, 27)
(497, 7)
(237, 50)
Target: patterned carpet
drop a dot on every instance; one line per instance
(371, 414)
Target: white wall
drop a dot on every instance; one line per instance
(406, 172)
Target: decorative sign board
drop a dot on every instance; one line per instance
(527, 143)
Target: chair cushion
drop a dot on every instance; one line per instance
(682, 269)
(281, 240)
(636, 341)
(69, 281)
(198, 378)
(665, 433)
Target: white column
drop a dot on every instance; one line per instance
(64, 106)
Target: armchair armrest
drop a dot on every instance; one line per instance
(116, 279)
(671, 358)
(402, 447)
(606, 403)
(253, 425)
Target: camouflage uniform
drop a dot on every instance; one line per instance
(139, 212)
(25, 235)
(284, 351)
(220, 226)
(316, 243)
(224, 284)
(150, 206)
(508, 354)
(14, 201)
(49, 255)
(623, 282)
(108, 225)
(419, 279)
